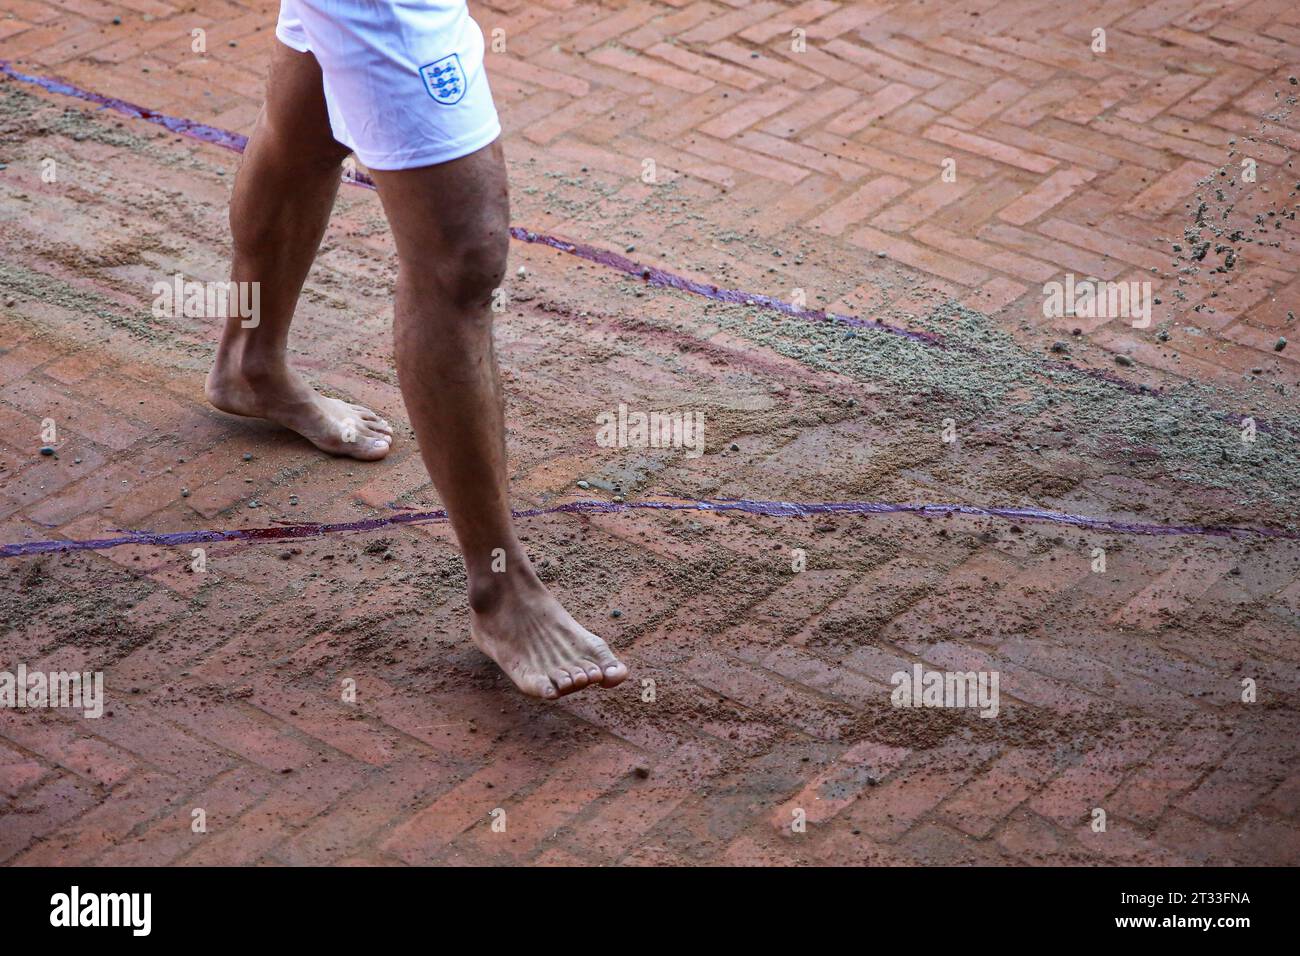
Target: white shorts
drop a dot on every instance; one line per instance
(404, 79)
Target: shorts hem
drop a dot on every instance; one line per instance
(443, 153)
(298, 46)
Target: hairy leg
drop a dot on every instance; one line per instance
(451, 223)
(280, 207)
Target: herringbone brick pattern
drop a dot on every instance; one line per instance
(797, 149)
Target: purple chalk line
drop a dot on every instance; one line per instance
(775, 509)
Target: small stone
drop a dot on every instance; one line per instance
(629, 248)
(734, 447)
(1060, 347)
(1123, 360)
(641, 773)
(618, 499)
(185, 492)
(47, 451)
(584, 485)
(1279, 345)
(117, 21)
(616, 613)
(522, 272)
(248, 456)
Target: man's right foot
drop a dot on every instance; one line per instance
(331, 425)
(538, 645)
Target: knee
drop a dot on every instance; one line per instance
(472, 271)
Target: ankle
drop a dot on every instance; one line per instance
(263, 362)
(489, 589)
(256, 367)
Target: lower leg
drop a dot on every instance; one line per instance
(279, 210)
(451, 258)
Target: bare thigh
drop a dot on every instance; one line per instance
(295, 109)
(450, 217)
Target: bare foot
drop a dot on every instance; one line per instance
(282, 397)
(538, 645)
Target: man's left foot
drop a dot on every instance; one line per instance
(537, 644)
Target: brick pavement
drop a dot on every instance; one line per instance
(776, 169)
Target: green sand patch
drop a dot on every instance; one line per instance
(1190, 432)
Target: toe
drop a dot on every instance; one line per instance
(562, 680)
(367, 449)
(531, 682)
(580, 679)
(615, 674)
(594, 673)
(373, 420)
(614, 670)
(538, 685)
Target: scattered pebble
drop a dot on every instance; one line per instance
(584, 485)
(1123, 360)
(248, 456)
(616, 613)
(1279, 345)
(46, 450)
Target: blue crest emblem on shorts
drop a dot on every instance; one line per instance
(444, 78)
